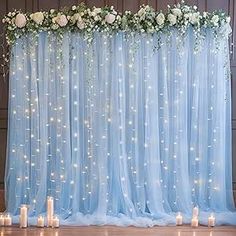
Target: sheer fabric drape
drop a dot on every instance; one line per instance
(119, 131)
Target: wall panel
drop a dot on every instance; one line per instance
(46, 4)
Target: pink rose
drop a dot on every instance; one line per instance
(20, 20)
(110, 18)
(61, 20)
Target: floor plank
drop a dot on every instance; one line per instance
(118, 231)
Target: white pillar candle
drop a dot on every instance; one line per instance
(23, 216)
(50, 211)
(1, 219)
(211, 220)
(195, 212)
(40, 221)
(194, 222)
(179, 219)
(55, 222)
(7, 220)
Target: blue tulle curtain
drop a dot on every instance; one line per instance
(127, 130)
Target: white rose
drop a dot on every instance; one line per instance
(194, 18)
(73, 8)
(80, 24)
(97, 18)
(118, 17)
(75, 17)
(187, 15)
(20, 20)
(176, 12)
(141, 12)
(160, 19)
(227, 19)
(215, 19)
(37, 17)
(97, 10)
(61, 20)
(52, 11)
(93, 13)
(186, 8)
(110, 18)
(172, 19)
(204, 14)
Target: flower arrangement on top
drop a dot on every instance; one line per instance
(106, 19)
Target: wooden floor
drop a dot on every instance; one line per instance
(119, 231)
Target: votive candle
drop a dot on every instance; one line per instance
(179, 219)
(7, 220)
(40, 221)
(55, 222)
(211, 221)
(194, 222)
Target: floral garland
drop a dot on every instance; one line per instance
(88, 20)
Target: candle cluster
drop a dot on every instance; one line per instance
(52, 220)
(195, 221)
(5, 220)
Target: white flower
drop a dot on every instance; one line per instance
(75, 17)
(176, 12)
(97, 18)
(52, 11)
(37, 17)
(73, 8)
(97, 10)
(141, 11)
(227, 19)
(160, 19)
(187, 15)
(110, 18)
(93, 14)
(80, 24)
(20, 20)
(61, 20)
(204, 14)
(195, 7)
(194, 18)
(186, 8)
(215, 19)
(55, 26)
(172, 19)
